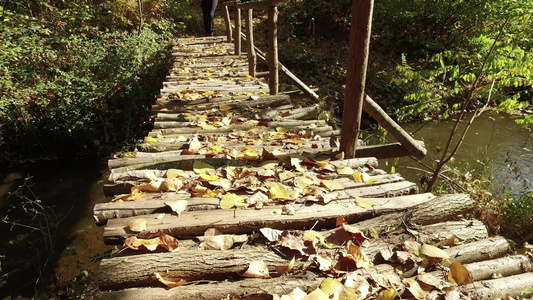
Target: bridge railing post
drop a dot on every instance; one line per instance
(227, 20)
(250, 48)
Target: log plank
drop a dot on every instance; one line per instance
(248, 220)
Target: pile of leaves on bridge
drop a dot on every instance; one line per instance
(339, 255)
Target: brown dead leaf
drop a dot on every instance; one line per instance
(163, 240)
(212, 232)
(459, 274)
(292, 240)
(356, 254)
(170, 283)
(134, 195)
(345, 233)
(285, 269)
(340, 220)
(171, 184)
(257, 269)
(428, 279)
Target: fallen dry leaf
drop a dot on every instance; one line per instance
(356, 254)
(432, 251)
(459, 274)
(231, 200)
(292, 240)
(415, 288)
(221, 242)
(281, 192)
(257, 269)
(165, 241)
(316, 295)
(170, 283)
(332, 288)
(177, 206)
(272, 235)
(365, 203)
(387, 295)
(194, 145)
(137, 225)
(284, 269)
(333, 185)
(200, 167)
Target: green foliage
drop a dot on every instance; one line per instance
(517, 216)
(439, 79)
(83, 88)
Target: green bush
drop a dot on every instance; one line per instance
(67, 89)
(517, 217)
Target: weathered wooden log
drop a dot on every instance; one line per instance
(113, 210)
(248, 220)
(121, 272)
(500, 267)
(155, 202)
(511, 286)
(227, 21)
(490, 248)
(444, 208)
(148, 161)
(227, 90)
(236, 103)
(258, 289)
(416, 148)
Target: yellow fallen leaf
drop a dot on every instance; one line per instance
(150, 139)
(345, 171)
(317, 294)
(357, 255)
(205, 177)
(231, 200)
(332, 288)
(358, 177)
(171, 184)
(278, 191)
(134, 195)
(281, 130)
(365, 203)
(251, 156)
(200, 167)
(387, 295)
(433, 251)
(459, 275)
(333, 185)
(247, 149)
(262, 92)
(269, 164)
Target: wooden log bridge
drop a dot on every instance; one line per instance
(239, 193)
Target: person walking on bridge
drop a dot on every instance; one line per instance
(208, 10)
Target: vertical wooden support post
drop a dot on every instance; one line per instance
(237, 34)
(228, 24)
(273, 64)
(252, 58)
(356, 75)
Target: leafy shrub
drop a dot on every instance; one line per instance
(517, 217)
(66, 90)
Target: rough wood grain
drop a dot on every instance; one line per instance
(511, 286)
(249, 220)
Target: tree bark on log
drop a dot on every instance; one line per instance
(249, 220)
(498, 288)
(251, 288)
